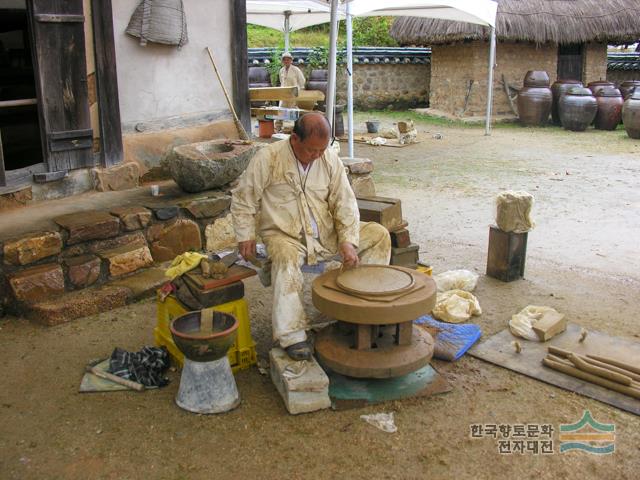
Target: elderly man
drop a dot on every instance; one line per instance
(308, 212)
(290, 76)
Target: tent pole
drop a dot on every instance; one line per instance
(492, 62)
(349, 80)
(287, 30)
(333, 46)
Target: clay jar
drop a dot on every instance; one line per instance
(627, 87)
(559, 88)
(577, 108)
(595, 87)
(631, 114)
(536, 78)
(535, 99)
(609, 108)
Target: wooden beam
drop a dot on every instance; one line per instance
(273, 93)
(3, 179)
(111, 149)
(239, 63)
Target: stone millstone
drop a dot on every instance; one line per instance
(205, 165)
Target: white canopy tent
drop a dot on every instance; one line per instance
(481, 12)
(287, 15)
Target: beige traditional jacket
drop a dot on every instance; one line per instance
(273, 186)
(291, 78)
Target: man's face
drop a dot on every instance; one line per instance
(286, 61)
(311, 148)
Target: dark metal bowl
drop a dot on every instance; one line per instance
(204, 343)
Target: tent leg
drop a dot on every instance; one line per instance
(287, 31)
(333, 47)
(492, 62)
(349, 80)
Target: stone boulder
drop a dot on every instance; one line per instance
(205, 165)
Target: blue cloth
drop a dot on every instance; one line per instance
(452, 339)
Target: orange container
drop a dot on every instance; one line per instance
(265, 128)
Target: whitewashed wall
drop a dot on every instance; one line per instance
(159, 81)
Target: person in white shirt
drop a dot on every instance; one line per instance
(308, 212)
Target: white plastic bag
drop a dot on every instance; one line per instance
(513, 211)
(383, 421)
(456, 280)
(522, 323)
(456, 306)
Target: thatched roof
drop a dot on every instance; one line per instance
(538, 21)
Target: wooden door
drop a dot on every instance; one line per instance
(570, 61)
(57, 28)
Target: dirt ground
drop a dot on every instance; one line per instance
(582, 259)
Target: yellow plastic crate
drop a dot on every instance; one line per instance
(241, 355)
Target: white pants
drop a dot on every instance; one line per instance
(287, 255)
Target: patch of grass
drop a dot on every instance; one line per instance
(315, 36)
(409, 115)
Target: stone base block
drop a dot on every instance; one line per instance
(362, 185)
(304, 386)
(120, 177)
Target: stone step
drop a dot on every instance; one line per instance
(89, 301)
(127, 259)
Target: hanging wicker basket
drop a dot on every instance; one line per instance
(159, 21)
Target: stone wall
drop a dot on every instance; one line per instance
(392, 86)
(453, 67)
(95, 260)
(620, 76)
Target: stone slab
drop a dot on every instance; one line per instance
(144, 283)
(362, 185)
(209, 207)
(127, 259)
(308, 392)
(37, 283)
(119, 177)
(33, 247)
(83, 271)
(132, 218)
(220, 235)
(172, 239)
(358, 165)
(88, 225)
(164, 212)
(82, 303)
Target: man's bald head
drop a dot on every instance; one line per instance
(312, 125)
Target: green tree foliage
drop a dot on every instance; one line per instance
(367, 32)
(372, 32)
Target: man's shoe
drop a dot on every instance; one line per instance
(299, 351)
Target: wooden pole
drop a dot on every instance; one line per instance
(239, 126)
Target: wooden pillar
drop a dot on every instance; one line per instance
(111, 150)
(240, 63)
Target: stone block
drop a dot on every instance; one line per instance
(127, 259)
(136, 238)
(88, 225)
(209, 207)
(33, 247)
(302, 392)
(220, 235)
(142, 284)
(83, 270)
(358, 165)
(362, 185)
(165, 212)
(37, 283)
(133, 218)
(174, 238)
(120, 177)
(82, 303)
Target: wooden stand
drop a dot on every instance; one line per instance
(507, 254)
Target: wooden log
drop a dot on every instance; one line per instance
(564, 353)
(574, 372)
(273, 93)
(507, 254)
(616, 363)
(600, 372)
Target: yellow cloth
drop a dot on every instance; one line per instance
(272, 185)
(184, 263)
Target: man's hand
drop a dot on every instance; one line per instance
(349, 255)
(247, 249)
